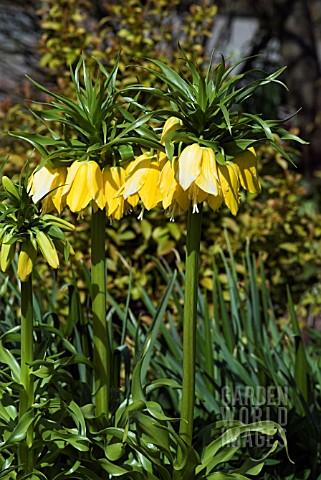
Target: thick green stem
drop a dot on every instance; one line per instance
(194, 223)
(102, 348)
(26, 379)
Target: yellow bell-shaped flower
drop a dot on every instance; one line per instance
(197, 165)
(229, 182)
(84, 183)
(48, 183)
(116, 205)
(247, 170)
(143, 178)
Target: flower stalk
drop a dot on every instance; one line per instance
(26, 379)
(194, 223)
(102, 347)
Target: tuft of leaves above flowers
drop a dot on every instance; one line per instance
(209, 107)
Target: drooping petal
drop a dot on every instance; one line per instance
(171, 124)
(7, 252)
(116, 204)
(71, 174)
(150, 192)
(58, 184)
(95, 183)
(79, 194)
(132, 200)
(42, 181)
(113, 179)
(181, 198)
(230, 186)
(137, 175)
(247, 170)
(189, 165)
(214, 201)
(196, 195)
(167, 184)
(208, 177)
(47, 248)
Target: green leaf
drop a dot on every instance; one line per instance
(20, 430)
(112, 468)
(29, 137)
(141, 367)
(78, 417)
(301, 367)
(171, 78)
(114, 451)
(151, 432)
(226, 476)
(262, 123)
(82, 473)
(231, 435)
(285, 135)
(7, 358)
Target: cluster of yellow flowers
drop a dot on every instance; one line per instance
(79, 184)
(190, 178)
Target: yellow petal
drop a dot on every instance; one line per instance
(31, 187)
(132, 200)
(137, 175)
(182, 198)
(171, 124)
(167, 184)
(214, 201)
(7, 252)
(47, 248)
(230, 186)
(42, 181)
(161, 156)
(27, 257)
(208, 177)
(150, 192)
(95, 183)
(189, 165)
(79, 194)
(71, 174)
(45, 180)
(196, 194)
(113, 179)
(58, 185)
(247, 170)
